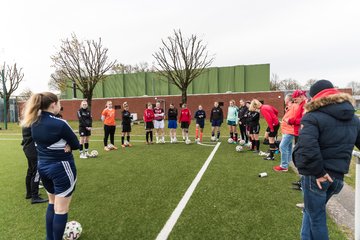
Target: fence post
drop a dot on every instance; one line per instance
(357, 196)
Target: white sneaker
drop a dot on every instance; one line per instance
(83, 155)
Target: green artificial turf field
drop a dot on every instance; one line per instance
(130, 193)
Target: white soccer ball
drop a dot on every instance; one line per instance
(94, 153)
(242, 142)
(213, 138)
(187, 141)
(230, 140)
(72, 231)
(239, 148)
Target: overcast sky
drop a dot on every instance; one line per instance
(300, 39)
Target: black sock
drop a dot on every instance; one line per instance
(151, 136)
(147, 136)
(231, 135)
(212, 134)
(236, 137)
(271, 153)
(218, 134)
(59, 224)
(122, 140)
(253, 143)
(128, 138)
(49, 221)
(258, 145)
(81, 147)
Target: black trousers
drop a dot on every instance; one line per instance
(32, 178)
(109, 131)
(243, 133)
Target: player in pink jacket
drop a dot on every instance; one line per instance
(185, 120)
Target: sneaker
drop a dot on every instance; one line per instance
(300, 205)
(297, 183)
(269, 158)
(129, 145)
(106, 148)
(263, 154)
(280, 169)
(38, 199)
(83, 155)
(114, 147)
(123, 145)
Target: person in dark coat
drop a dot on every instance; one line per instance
(328, 132)
(32, 178)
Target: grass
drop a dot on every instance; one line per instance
(130, 194)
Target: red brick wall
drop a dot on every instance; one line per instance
(137, 104)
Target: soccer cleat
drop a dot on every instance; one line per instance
(297, 183)
(129, 145)
(38, 199)
(280, 169)
(269, 158)
(300, 205)
(114, 147)
(123, 145)
(83, 155)
(106, 148)
(263, 154)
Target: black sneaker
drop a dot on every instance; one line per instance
(38, 200)
(269, 158)
(298, 183)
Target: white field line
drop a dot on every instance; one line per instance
(164, 233)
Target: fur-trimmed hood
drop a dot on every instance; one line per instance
(338, 105)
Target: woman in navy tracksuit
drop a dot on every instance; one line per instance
(54, 141)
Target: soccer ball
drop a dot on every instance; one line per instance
(187, 141)
(94, 153)
(239, 148)
(213, 138)
(72, 231)
(242, 142)
(230, 140)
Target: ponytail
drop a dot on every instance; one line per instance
(34, 106)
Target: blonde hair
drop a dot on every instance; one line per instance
(34, 106)
(254, 105)
(83, 101)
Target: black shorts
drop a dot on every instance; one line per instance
(254, 129)
(275, 132)
(84, 132)
(149, 125)
(126, 128)
(184, 125)
(201, 124)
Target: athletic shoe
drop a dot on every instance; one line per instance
(269, 158)
(114, 147)
(300, 205)
(280, 169)
(106, 148)
(38, 199)
(129, 145)
(123, 145)
(83, 155)
(27, 196)
(297, 183)
(263, 154)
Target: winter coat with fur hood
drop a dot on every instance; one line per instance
(329, 130)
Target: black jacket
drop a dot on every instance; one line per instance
(253, 118)
(329, 130)
(216, 114)
(126, 118)
(242, 115)
(172, 114)
(84, 116)
(28, 143)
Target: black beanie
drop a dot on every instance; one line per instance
(320, 85)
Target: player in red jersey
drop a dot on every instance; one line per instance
(149, 125)
(185, 120)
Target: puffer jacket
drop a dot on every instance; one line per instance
(329, 130)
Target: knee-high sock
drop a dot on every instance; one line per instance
(128, 138)
(196, 133)
(86, 147)
(49, 222)
(59, 224)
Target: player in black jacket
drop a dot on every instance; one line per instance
(254, 128)
(243, 111)
(172, 122)
(85, 124)
(32, 177)
(126, 126)
(216, 119)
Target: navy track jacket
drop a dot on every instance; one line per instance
(51, 134)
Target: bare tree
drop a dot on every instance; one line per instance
(84, 64)
(309, 83)
(289, 84)
(355, 86)
(127, 68)
(25, 94)
(275, 82)
(13, 77)
(180, 60)
(59, 82)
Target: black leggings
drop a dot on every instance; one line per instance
(243, 133)
(32, 177)
(109, 130)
